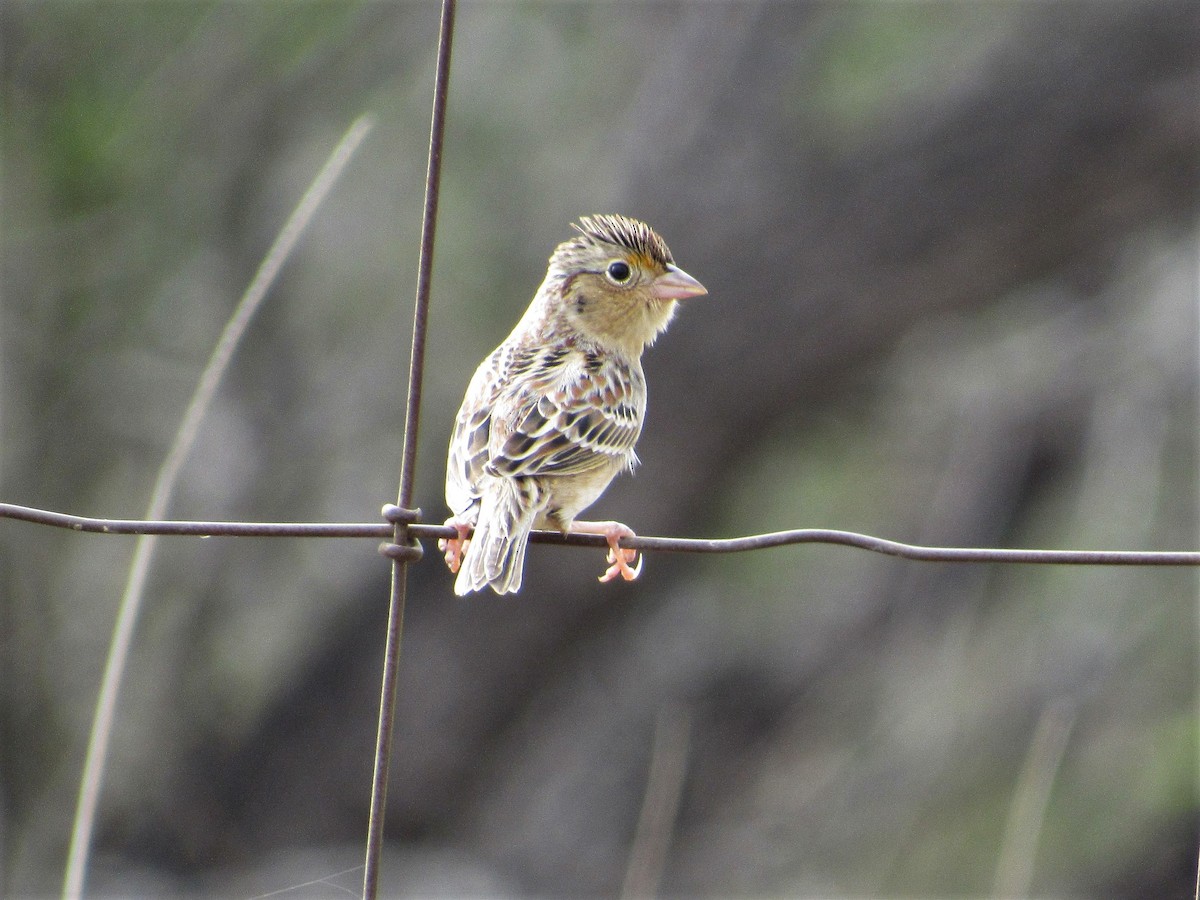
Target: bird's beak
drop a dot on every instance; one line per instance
(676, 284)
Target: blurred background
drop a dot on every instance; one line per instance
(951, 250)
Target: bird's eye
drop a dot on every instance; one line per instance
(619, 271)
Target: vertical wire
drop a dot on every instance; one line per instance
(395, 627)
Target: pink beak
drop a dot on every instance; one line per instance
(676, 284)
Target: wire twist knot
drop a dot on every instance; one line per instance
(398, 515)
(410, 552)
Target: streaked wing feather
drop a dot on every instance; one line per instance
(569, 417)
(472, 428)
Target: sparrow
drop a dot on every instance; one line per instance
(552, 415)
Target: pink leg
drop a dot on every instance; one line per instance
(454, 548)
(618, 556)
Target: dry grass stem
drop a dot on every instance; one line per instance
(1014, 871)
(660, 804)
(164, 486)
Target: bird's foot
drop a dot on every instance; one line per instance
(619, 557)
(454, 548)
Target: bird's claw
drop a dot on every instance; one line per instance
(454, 548)
(620, 560)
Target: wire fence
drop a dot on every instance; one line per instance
(402, 530)
(399, 550)
(418, 531)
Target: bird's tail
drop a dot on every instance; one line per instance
(496, 555)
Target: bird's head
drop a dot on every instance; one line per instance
(617, 282)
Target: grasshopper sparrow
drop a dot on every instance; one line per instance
(551, 416)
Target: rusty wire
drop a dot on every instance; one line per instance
(418, 530)
(401, 550)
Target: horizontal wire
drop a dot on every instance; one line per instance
(385, 530)
(196, 529)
